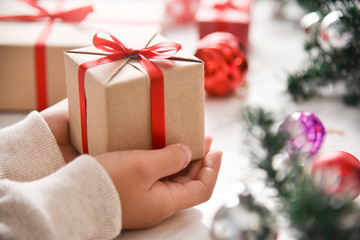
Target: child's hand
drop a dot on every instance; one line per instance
(155, 184)
(152, 184)
(57, 118)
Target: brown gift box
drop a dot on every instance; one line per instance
(18, 38)
(118, 100)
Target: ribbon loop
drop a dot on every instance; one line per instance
(38, 7)
(159, 51)
(228, 4)
(74, 15)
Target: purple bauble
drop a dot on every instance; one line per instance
(306, 132)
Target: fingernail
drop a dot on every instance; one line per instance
(187, 152)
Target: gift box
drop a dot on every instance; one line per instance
(231, 16)
(181, 11)
(111, 106)
(34, 35)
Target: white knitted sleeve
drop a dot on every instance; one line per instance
(79, 201)
(28, 150)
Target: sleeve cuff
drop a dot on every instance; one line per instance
(28, 150)
(79, 201)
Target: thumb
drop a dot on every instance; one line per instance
(169, 160)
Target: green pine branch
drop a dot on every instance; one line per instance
(312, 215)
(330, 67)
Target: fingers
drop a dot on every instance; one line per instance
(57, 114)
(59, 107)
(196, 166)
(164, 162)
(210, 169)
(62, 104)
(157, 164)
(200, 189)
(193, 168)
(208, 142)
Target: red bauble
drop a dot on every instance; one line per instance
(225, 63)
(337, 173)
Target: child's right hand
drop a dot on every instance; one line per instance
(155, 184)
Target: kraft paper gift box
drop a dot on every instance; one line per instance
(118, 100)
(20, 87)
(231, 16)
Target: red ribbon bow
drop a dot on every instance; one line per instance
(221, 8)
(119, 51)
(182, 11)
(225, 5)
(74, 15)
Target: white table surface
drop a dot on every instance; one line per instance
(276, 49)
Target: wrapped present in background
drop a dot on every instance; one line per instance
(181, 11)
(34, 35)
(231, 16)
(116, 103)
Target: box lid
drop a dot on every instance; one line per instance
(82, 55)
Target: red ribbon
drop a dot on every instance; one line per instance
(221, 7)
(187, 10)
(226, 5)
(119, 51)
(74, 15)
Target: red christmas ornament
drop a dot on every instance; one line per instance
(225, 63)
(337, 173)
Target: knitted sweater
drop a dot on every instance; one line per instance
(42, 198)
